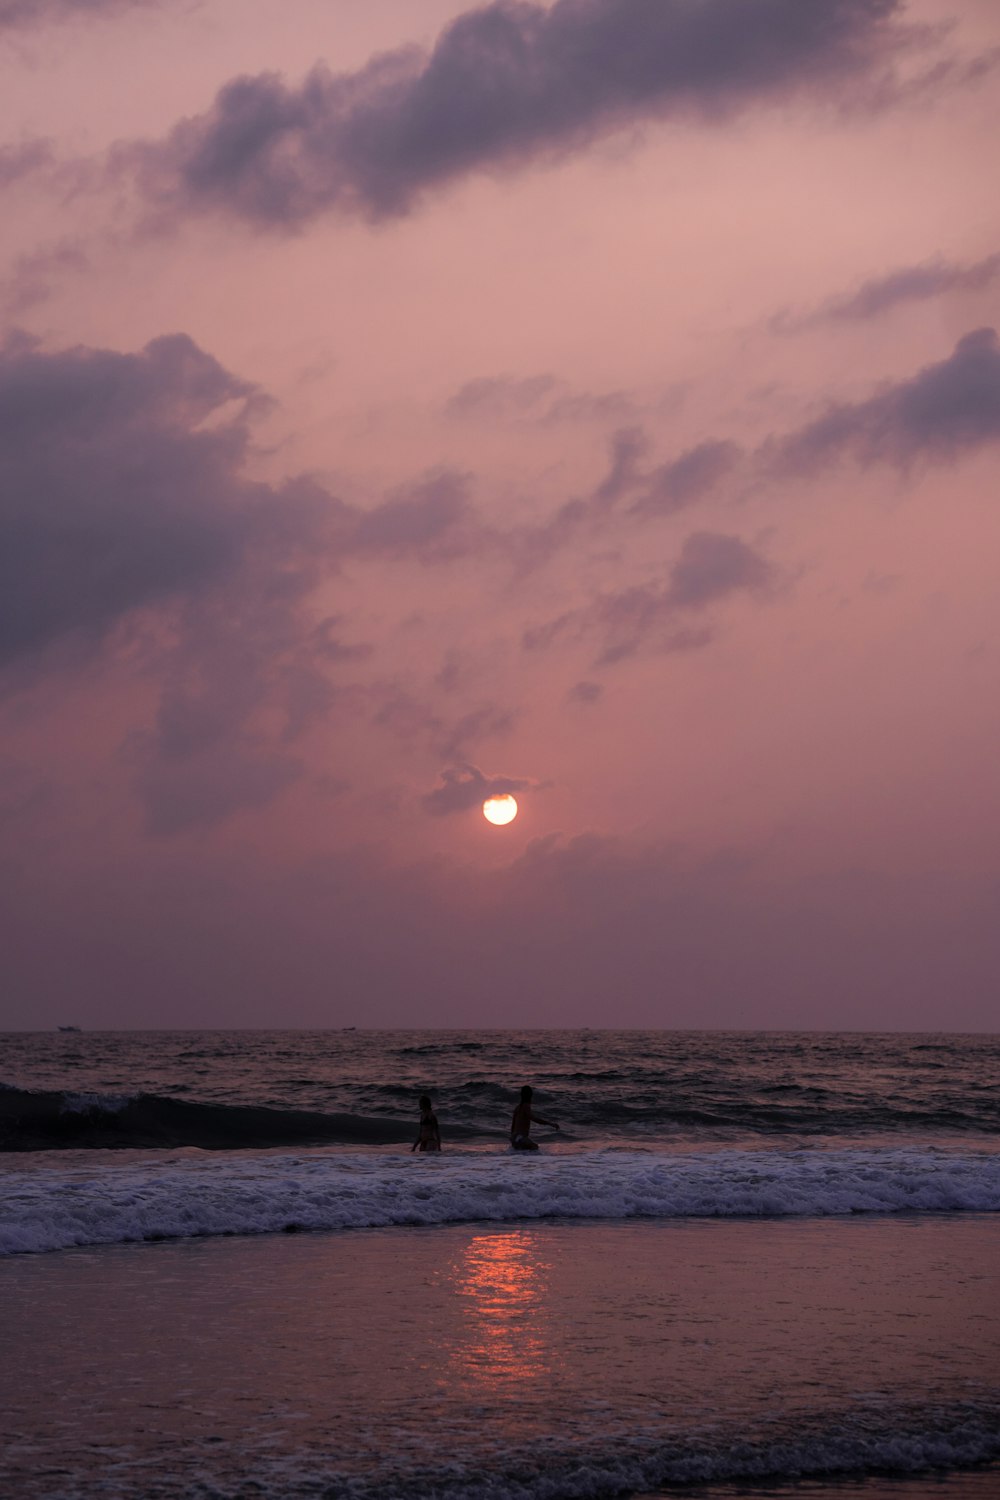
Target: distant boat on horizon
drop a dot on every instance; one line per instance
(67, 1028)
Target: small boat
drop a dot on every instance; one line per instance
(67, 1028)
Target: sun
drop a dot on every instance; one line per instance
(500, 809)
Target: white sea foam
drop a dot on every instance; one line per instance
(166, 1197)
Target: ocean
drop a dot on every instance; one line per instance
(746, 1263)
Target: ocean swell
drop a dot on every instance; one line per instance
(38, 1120)
(174, 1198)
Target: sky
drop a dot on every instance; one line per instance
(404, 402)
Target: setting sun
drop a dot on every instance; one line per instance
(500, 809)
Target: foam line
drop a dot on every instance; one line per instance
(169, 1197)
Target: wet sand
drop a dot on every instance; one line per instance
(508, 1361)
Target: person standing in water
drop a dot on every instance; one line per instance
(523, 1119)
(428, 1134)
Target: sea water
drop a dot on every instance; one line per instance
(762, 1260)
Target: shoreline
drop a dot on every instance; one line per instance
(482, 1359)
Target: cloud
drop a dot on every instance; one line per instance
(464, 787)
(26, 159)
(491, 397)
(661, 491)
(431, 520)
(628, 446)
(686, 479)
(16, 14)
(127, 521)
(541, 399)
(122, 487)
(932, 278)
(946, 409)
(710, 567)
(504, 85)
(34, 272)
(535, 545)
(487, 721)
(112, 492)
(207, 788)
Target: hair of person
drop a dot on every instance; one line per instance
(425, 1101)
(526, 1091)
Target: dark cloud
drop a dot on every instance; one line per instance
(26, 159)
(534, 546)
(933, 278)
(628, 446)
(944, 410)
(586, 692)
(112, 492)
(126, 520)
(710, 567)
(504, 84)
(25, 13)
(686, 479)
(660, 491)
(122, 486)
(541, 399)
(587, 406)
(34, 273)
(541, 637)
(464, 787)
(431, 520)
(489, 721)
(945, 74)
(413, 718)
(207, 788)
(501, 396)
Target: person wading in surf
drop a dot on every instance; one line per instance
(428, 1134)
(522, 1121)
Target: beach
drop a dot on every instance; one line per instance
(747, 1264)
(475, 1360)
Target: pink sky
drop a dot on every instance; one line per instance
(595, 400)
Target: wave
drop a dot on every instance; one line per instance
(36, 1120)
(890, 1439)
(376, 1103)
(896, 1441)
(66, 1206)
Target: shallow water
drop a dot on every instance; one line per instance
(748, 1263)
(468, 1361)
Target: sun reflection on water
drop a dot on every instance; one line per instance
(502, 1281)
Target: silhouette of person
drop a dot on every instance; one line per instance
(523, 1119)
(428, 1134)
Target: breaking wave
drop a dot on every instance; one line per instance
(896, 1441)
(35, 1120)
(171, 1197)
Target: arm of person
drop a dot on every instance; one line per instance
(541, 1120)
